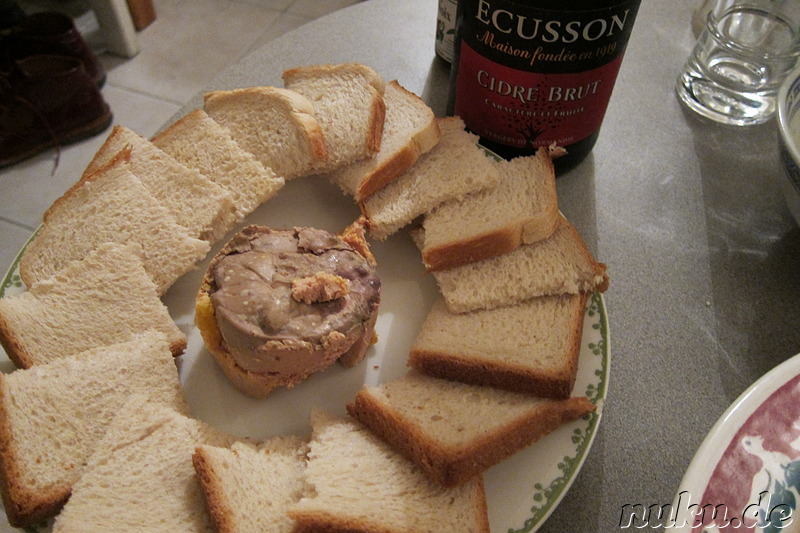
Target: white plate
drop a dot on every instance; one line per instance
(522, 491)
(749, 463)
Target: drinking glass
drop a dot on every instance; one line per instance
(740, 59)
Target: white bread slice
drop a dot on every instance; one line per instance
(140, 416)
(348, 103)
(53, 416)
(197, 141)
(357, 482)
(249, 488)
(276, 125)
(560, 264)
(198, 204)
(141, 477)
(410, 130)
(103, 299)
(532, 347)
(111, 205)
(455, 167)
(522, 208)
(454, 431)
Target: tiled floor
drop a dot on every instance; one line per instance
(187, 45)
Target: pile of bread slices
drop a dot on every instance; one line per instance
(93, 424)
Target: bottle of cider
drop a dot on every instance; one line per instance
(537, 73)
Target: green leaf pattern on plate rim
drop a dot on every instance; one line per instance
(12, 283)
(546, 497)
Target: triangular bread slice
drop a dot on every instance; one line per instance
(348, 103)
(410, 130)
(141, 477)
(198, 204)
(197, 141)
(140, 417)
(455, 167)
(111, 205)
(454, 431)
(103, 299)
(357, 482)
(52, 416)
(532, 347)
(248, 487)
(276, 125)
(560, 264)
(522, 208)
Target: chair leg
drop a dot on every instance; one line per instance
(116, 25)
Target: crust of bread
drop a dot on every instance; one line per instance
(390, 170)
(15, 349)
(18, 354)
(500, 241)
(13, 339)
(490, 244)
(490, 373)
(478, 277)
(23, 507)
(95, 164)
(25, 503)
(377, 105)
(471, 250)
(315, 139)
(393, 167)
(216, 222)
(301, 109)
(600, 270)
(540, 228)
(374, 79)
(24, 273)
(479, 371)
(305, 115)
(121, 157)
(349, 349)
(377, 120)
(178, 347)
(328, 522)
(454, 467)
(213, 495)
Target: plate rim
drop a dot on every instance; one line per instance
(698, 474)
(11, 278)
(547, 499)
(566, 480)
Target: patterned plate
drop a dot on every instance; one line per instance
(746, 474)
(522, 491)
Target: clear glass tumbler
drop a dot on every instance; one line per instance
(740, 59)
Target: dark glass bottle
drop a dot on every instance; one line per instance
(535, 73)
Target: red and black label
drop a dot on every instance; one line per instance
(527, 77)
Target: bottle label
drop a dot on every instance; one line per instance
(446, 29)
(530, 109)
(527, 77)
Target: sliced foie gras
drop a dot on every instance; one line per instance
(277, 305)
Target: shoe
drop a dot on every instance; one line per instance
(45, 102)
(10, 15)
(49, 34)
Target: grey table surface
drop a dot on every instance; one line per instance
(703, 254)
